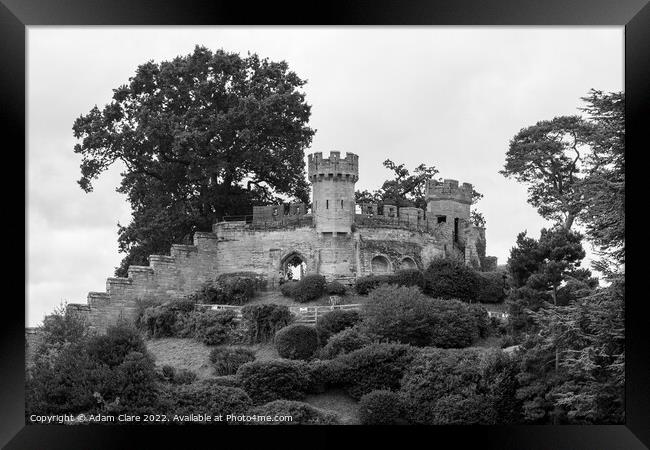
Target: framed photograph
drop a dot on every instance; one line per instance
(390, 222)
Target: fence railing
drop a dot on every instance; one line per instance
(303, 314)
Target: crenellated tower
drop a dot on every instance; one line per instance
(333, 182)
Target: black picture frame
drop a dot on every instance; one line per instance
(16, 15)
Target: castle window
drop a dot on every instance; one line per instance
(442, 219)
(379, 264)
(456, 229)
(327, 204)
(341, 204)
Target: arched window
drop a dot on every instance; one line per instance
(408, 263)
(380, 264)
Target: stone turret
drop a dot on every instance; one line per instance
(448, 200)
(333, 182)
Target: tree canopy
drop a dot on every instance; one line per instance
(574, 168)
(201, 136)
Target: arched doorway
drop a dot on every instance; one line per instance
(380, 264)
(408, 263)
(293, 267)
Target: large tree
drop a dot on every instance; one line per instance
(201, 136)
(574, 168)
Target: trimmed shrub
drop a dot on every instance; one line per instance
(363, 285)
(264, 320)
(377, 366)
(335, 321)
(490, 287)
(266, 381)
(448, 278)
(206, 398)
(380, 408)
(164, 320)
(335, 288)
(325, 375)
(343, 342)
(225, 380)
(310, 287)
(182, 376)
(300, 413)
(404, 314)
(226, 360)
(483, 322)
(447, 387)
(213, 327)
(235, 288)
(111, 348)
(289, 288)
(408, 277)
(296, 341)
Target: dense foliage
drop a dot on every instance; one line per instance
(448, 278)
(205, 398)
(404, 314)
(226, 360)
(235, 288)
(380, 408)
(310, 287)
(296, 341)
(403, 277)
(344, 341)
(264, 320)
(376, 366)
(266, 381)
(201, 136)
(335, 321)
(335, 288)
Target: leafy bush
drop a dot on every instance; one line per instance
(296, 341)
(111, 348)
(490, 287)
(363, 285)
(266, 381)
(380, 408)
(226, 360)
(309, 288)
(447, 387)
(335, 321)
(343, 342)
(335, 288)
(224, 380)
(324, 375)
(289, 288)
(448, 278)
(403, 277)
(206, 398)
(377, 366)
(213, 327)
(236, 288)
(408, 277)
(164, 320)
(404, 314)
(264, 320)
(300, 413)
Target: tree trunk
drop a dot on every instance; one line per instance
(568, 223)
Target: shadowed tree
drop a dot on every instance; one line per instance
(201, 136)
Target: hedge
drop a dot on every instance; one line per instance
(264, 320)
(335, 321)
(206, 398)
(226, 360)
(343, 342)
(404, 277)
(296, 341)
(377, 366)
(310, 287)
(380, 408)
(451, 279)
(266, 381)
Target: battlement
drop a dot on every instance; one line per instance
(449, 189)
(334, 166)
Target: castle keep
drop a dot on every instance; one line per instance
(336, 238)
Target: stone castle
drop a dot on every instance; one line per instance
(336, 238)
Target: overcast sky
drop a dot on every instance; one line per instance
(452, 97)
